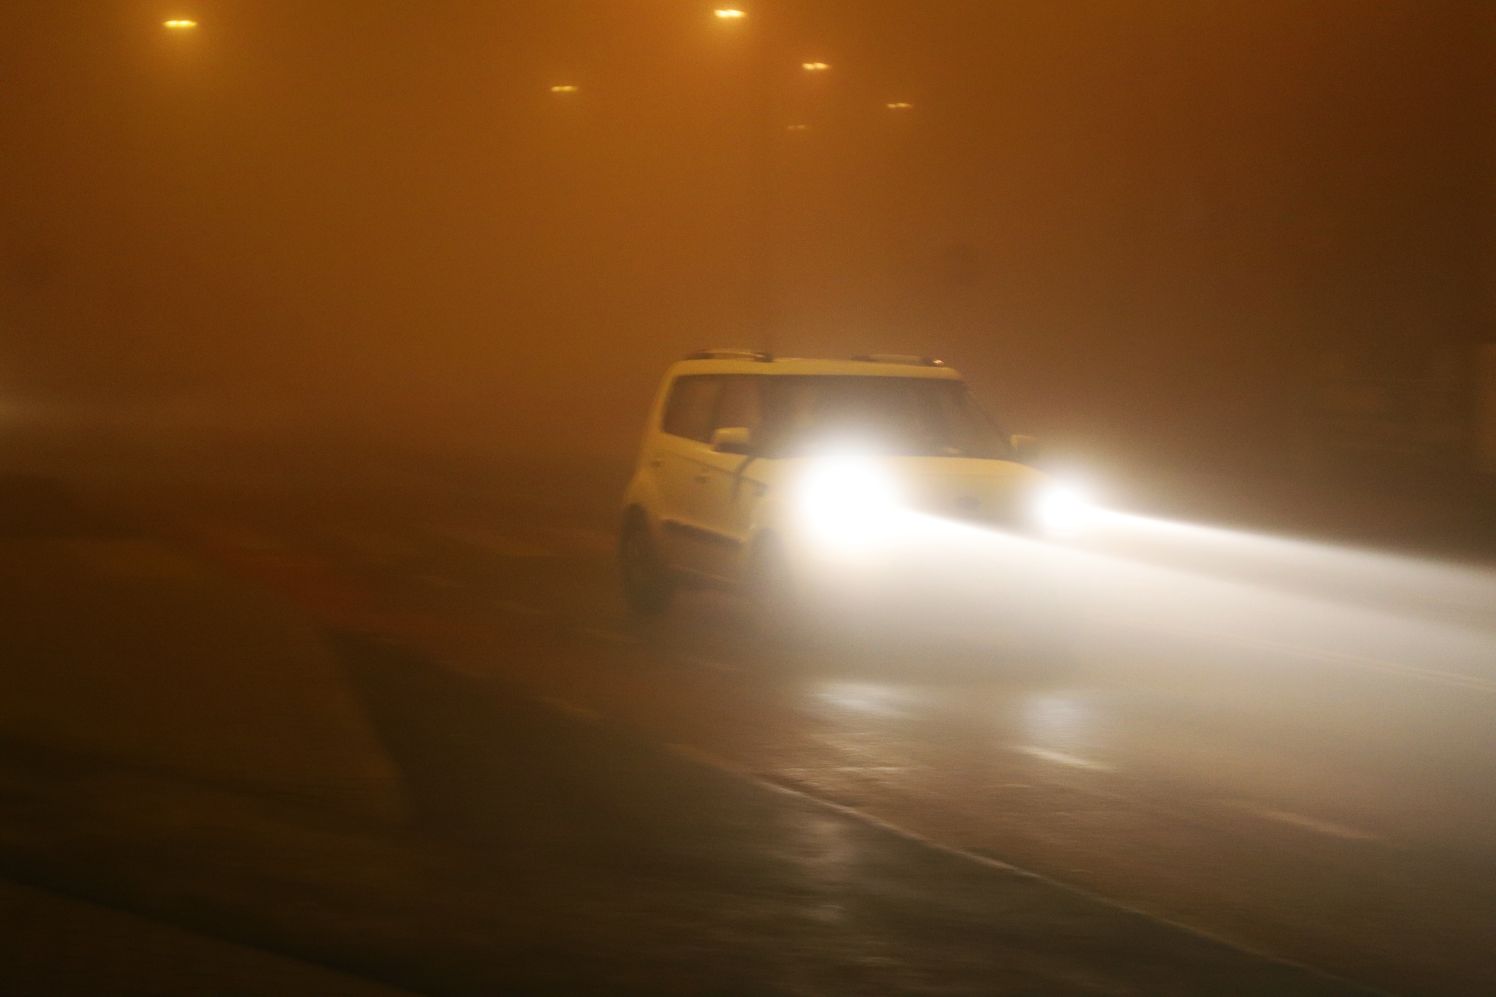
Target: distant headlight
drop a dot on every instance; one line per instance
(846, 497)
(1062, 511)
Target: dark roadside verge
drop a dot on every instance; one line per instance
(59, 946)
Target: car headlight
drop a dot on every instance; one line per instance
(845, 497)
(1062, 511)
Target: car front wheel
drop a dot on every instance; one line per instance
(647, 586)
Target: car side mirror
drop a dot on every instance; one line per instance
(1025, 447)
(732, 439)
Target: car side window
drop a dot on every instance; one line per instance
(738, 404)
(688, 410)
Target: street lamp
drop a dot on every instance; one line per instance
(565, 88)
(179, 24)
(729, 13)
(898, 105)
(815, 67)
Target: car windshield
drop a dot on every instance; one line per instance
(902, 416)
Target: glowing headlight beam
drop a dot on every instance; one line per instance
(1063, 511)
(843, 499)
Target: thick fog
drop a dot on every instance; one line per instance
(1134, 225)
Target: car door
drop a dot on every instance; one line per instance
(681, 462)
(728, 496)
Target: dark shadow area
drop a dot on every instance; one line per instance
(454, 742)
(485, 766)
(38, 506)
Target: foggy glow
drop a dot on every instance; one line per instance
(179, 24)
(1217, 601)
(898, 105)
(1063, 511)
(1354, 575)
(1222, 599)
(847, 500)
(729, 13)
(797, 128)
(565, 88)
(815, 67)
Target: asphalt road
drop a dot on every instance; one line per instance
(1283, 745)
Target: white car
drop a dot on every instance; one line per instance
(755, 469)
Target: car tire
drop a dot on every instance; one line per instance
(647, 586)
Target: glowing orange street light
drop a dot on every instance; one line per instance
(729, 13)
(898, 105)
(179, 24)
(815, 67)
(565, 88)
(797, 128)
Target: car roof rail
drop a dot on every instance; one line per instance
(760, 356)
(908, 359)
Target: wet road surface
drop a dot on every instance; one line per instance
(1284, 747)
(208, 789)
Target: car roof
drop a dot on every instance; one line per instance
(877, 365)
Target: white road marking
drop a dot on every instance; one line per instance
(1315, 824)
(572, 709)
(518, 608)
(1061, 758)
(1437, 675)
(610, 636)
